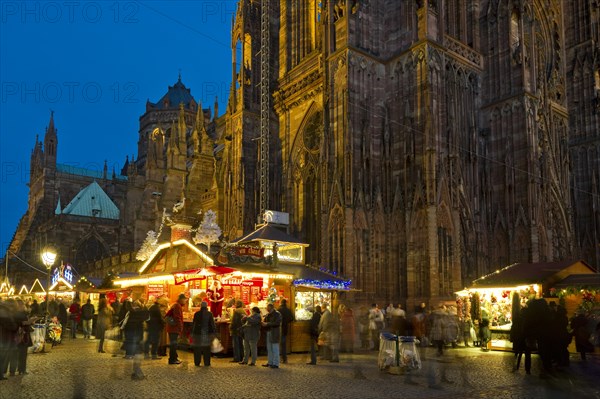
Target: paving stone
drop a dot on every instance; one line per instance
(74, 369)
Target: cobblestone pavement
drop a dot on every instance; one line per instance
(75, 370)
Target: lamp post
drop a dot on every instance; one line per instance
(48, 258)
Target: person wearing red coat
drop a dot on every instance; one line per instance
(75, 316)
(175, 327)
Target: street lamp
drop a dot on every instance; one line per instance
(48, 259)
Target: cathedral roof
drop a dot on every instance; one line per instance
(92, 201)
(176, 95)
(75, 170)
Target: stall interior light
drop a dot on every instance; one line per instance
(145, 280)
(64, 281)
(499, 290)
(162, 246)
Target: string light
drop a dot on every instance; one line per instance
(324, 284)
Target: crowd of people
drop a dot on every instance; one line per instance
(148, 329)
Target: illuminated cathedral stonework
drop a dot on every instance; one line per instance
(416, 145)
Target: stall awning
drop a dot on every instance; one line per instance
(533, 273)
(580, 280)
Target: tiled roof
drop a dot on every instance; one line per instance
(75, 170)
(92, 201)
(176, 95)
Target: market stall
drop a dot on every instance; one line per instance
(272, 250)
(258, 269)
(61, 283)
(491, 296)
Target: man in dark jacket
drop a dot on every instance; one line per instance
(272, 324)
(8, 328)
(286, 318)
(87, 315)
(235, 329)
(134, 332)
(314, 334)
(155, 326)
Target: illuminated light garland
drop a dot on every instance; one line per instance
(324, 284)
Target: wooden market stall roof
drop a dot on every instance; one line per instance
(177, 256)
(533, 273)
(268, 232)
(580, 280)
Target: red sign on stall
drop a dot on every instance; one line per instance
(189, 275)
(250, 251)
(155, 290)
(238, 281)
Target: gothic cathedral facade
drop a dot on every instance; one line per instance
(415, 144)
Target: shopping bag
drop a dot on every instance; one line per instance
(216, 346)
(112, 340)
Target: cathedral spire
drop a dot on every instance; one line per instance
(196, 132)
(50, 129)
(50, 143)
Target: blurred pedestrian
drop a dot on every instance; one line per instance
(438, 324)
(203, 332)
(134, 334)
(329, 330)
(87, 317)
(251, 333)
(419, 325)
(272, 324)
(34, 309)
(10, 334)
(104, 322)
(8, 328)
(376, 324)
(62, 316)
(286, 319)
(348, 330)
(235, 329)
(75, 317)
(363, 327)
(467, 329)
(174, 319)
(314, 334)
(581, 333)
(22, 339)
(155, 325)
(398, 320)
(518, 337)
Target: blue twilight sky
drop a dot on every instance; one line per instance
(95, 63)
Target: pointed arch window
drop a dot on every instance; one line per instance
(515, 40)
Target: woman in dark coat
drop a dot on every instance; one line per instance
(203, 330)
(63, 318)
(581, 332)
